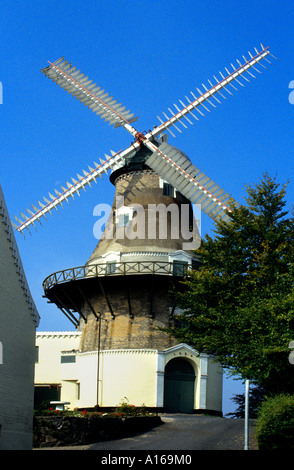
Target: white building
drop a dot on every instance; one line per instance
(50, 382)
(18, 321)
(176, 379)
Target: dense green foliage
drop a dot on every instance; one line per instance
(275, 423)
(239, 303)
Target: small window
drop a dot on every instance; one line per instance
(123, 220)
(168, 189)
(36, 354)
(67, 359)
(110, 267)
(179, 268)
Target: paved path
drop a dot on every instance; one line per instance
(182, 432)
(186, 432)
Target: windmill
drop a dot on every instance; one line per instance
(120, 299)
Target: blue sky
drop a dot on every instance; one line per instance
(148, 55)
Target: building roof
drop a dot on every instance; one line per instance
(6, 231)
(58, 334)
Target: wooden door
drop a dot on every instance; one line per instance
(179, 382)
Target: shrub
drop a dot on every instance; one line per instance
(126, 409)
(42, 407)
(275, 423)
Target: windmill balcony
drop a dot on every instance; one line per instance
(175, 268)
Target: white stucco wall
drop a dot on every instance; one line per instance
(18, 322)
(50, 344)
(129, 374)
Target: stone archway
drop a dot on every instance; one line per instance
(179, 380)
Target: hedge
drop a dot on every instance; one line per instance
(275, 423)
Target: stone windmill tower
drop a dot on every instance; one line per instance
(122, 297)
(141, 257)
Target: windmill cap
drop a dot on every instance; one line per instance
(136, 161)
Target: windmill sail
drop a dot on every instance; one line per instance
(88, 93)
(197, 107)
(111, 163)
(177, 169)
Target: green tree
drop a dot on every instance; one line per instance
(256, 397)
(239, 304)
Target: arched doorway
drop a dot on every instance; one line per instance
(179, 379)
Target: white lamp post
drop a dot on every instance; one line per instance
(246, 437)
